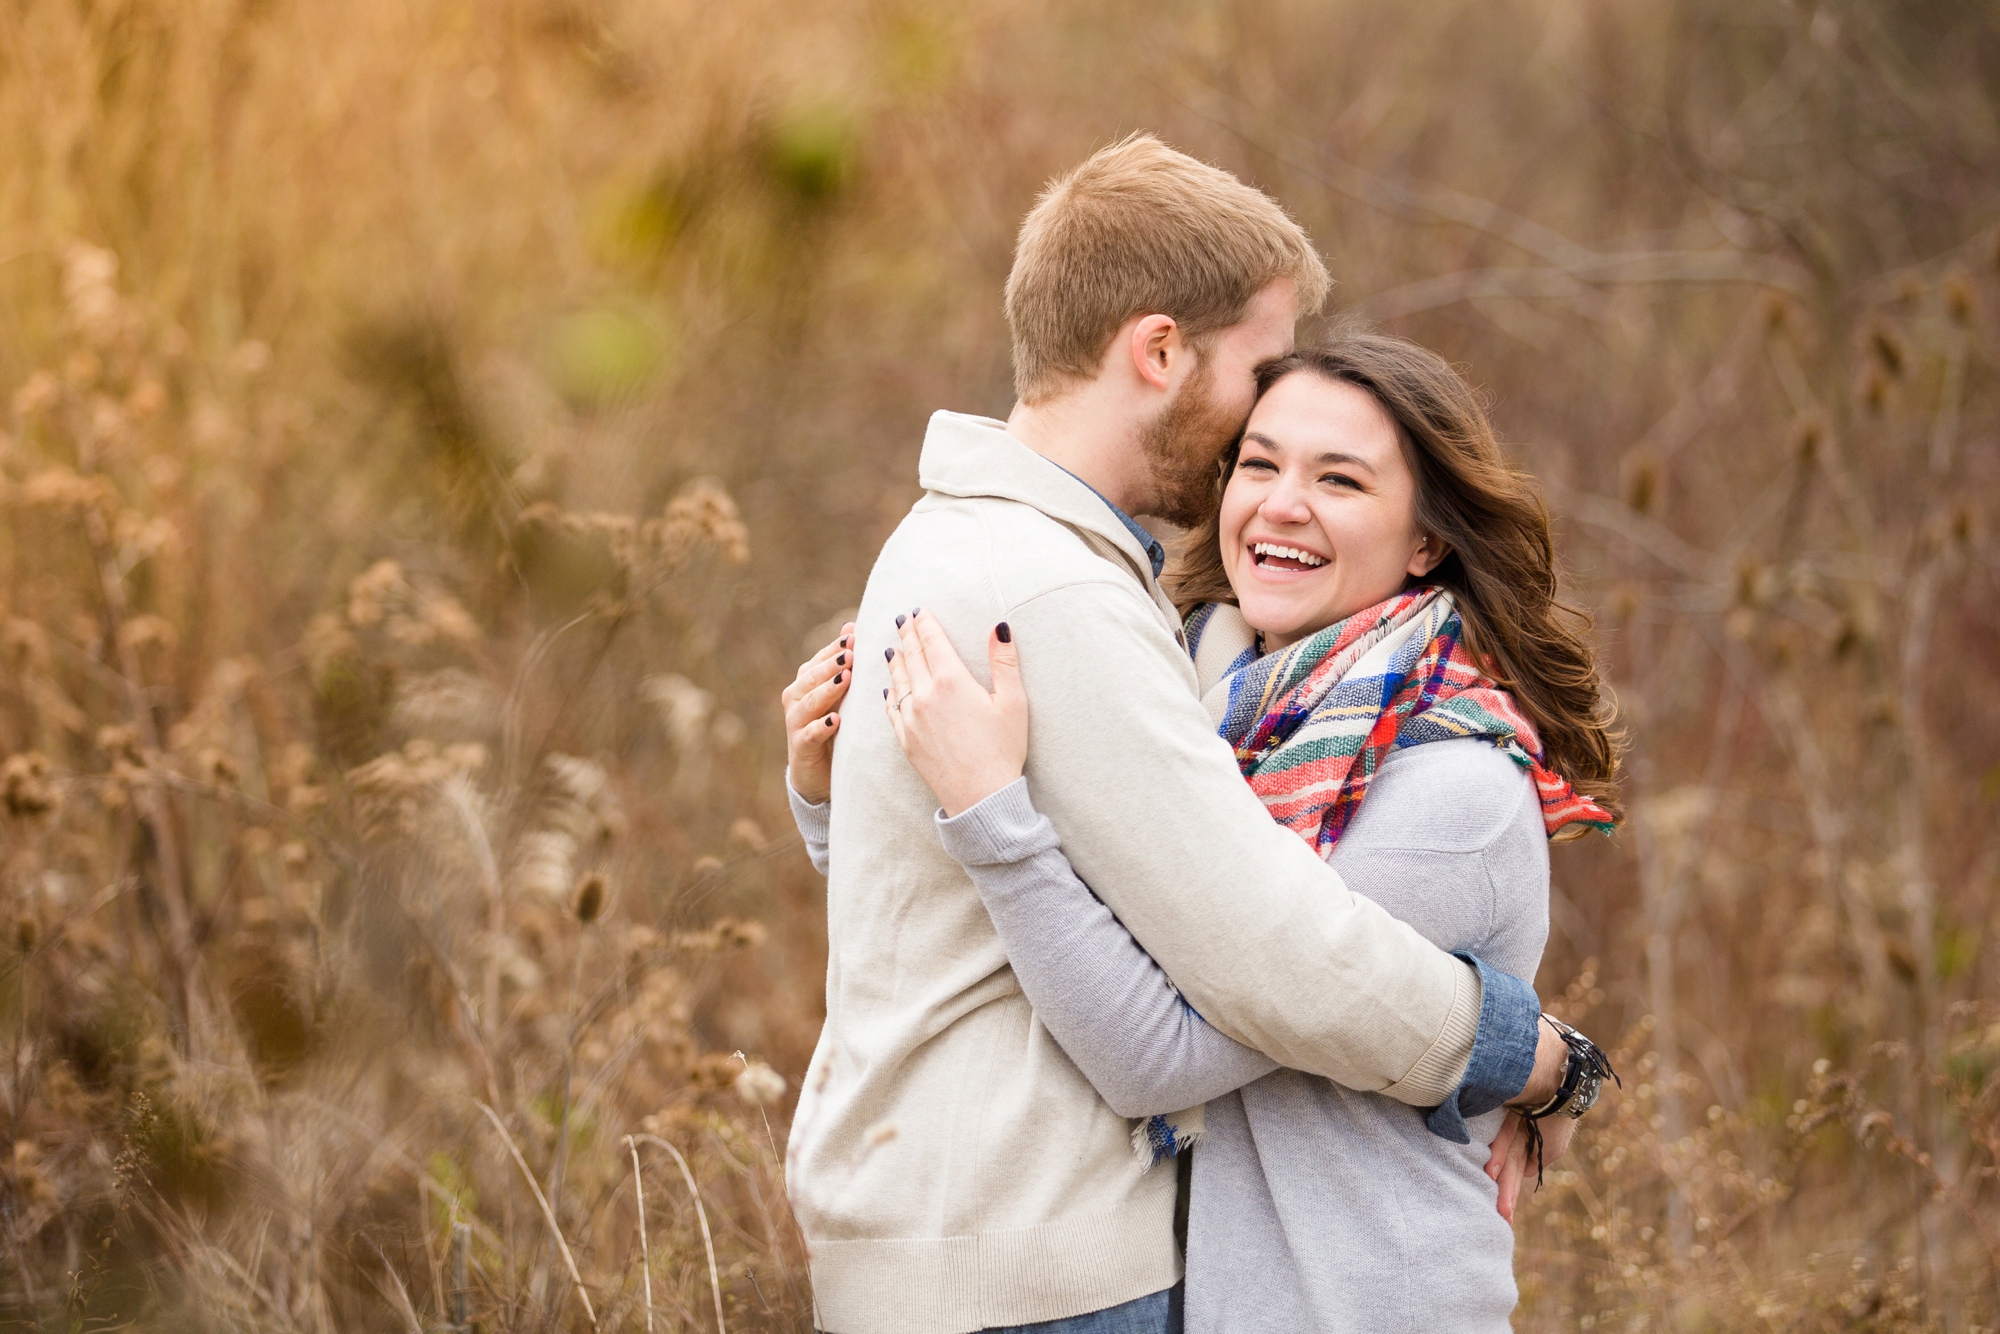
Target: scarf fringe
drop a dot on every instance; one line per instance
(1156, 1139)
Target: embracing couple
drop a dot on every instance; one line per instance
(1216, 882)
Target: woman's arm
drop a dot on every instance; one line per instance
(1097, 992)
(812, 819)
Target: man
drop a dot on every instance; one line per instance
(951, 1169)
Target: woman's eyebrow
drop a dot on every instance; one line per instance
(1324, 457)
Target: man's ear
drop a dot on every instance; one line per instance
(1430, 554)
(1155, 342)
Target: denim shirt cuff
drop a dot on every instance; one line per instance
(1503, 1052)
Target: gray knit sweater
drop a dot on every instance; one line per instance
(1312, 1207)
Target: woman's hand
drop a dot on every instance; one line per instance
(966, 743)
(1508, 1165)
(810, 718)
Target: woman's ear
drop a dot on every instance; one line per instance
(1430, 553)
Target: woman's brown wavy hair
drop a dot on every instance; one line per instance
(1502, 566)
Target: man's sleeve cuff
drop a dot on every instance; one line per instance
(1503, 1052)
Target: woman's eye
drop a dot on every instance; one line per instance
(1262, 465)
(1341, 479)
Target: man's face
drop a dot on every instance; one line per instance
(1184, 440)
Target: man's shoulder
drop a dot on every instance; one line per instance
(1023, 552)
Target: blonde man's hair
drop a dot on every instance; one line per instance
(1141, 229)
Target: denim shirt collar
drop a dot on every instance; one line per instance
(1147, 542)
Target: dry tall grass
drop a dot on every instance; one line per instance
(433, 432)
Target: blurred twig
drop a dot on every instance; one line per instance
(1572, 269)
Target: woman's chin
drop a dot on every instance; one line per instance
(1273, 627)
(1281, 626)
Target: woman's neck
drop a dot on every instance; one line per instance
(1271, 642)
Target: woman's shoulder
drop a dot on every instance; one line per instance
(1463, 795)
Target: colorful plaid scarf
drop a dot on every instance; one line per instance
(1312, 723)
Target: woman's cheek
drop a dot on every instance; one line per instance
(1229, 534)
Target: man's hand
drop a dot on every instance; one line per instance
(1509, 1165)
(810, 719)
(965, 742)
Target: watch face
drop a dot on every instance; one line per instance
(1586, 1095)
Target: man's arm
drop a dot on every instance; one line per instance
(1258, 932)
(1107, 1004)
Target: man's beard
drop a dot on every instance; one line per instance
(1182, 445)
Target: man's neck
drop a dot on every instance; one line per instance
(1089, 439)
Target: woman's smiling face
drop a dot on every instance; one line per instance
(1319, 517)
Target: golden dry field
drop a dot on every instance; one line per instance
(430, 434)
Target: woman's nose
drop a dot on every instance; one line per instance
(1284, 504)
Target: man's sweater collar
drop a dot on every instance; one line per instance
(1150, 544)
(975, 456)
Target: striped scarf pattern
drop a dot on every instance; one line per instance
(1312, 723)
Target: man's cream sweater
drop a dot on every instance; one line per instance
(951, 1169)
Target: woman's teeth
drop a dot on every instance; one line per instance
(1272, 551)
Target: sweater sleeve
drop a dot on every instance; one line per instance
(1102, 997)
(1254, 929)
(812, 821)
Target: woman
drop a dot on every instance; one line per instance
(1372, 613)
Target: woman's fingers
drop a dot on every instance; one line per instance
(910, 648)
(814, 703)
(939, 658)
(834, 647)
(1511, 1174)
(817, 706)
(895, 718)
(813, 736)
(892, 701)
(1003, 659)
(899, 678)
(1502, 1142)
(823, 666)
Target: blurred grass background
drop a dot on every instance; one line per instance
(432, 433)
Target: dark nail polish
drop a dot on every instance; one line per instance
(900, 620)
(1005, 632)
(885, 692)
(843, 641)
(915, 610)
(829, 720)
(840, 659)
(838, 677)
(888, 654)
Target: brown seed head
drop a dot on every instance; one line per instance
(1887, 345)
(590, 899)
(1958, 298)
(24, 788)
(1874, 393)
(1642, 484)
(1808, 433)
